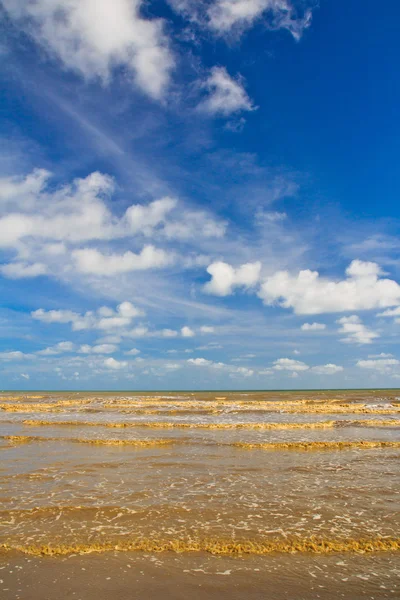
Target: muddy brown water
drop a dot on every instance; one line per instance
(211, 512)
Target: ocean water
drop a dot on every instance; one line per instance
(200, 493)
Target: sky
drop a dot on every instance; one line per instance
(199, 194)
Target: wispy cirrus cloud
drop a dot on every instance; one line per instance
(233, 17)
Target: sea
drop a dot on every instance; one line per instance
(174, 495)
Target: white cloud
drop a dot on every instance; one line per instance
(166, 333)
(71, 213)
(105, 318)
(382, 365)
(356, 332)
(224, 17)
(145, 218)
(22, 270)
(308, 293)
(98, 349)
(210, 347)
(133, 352)
(137, 332)
(289, 364)
(187, 332)
(381, 355)
(170, 220)
(15, 355)
(92, 37)
(192, 224)
(22, 190)
(112, 363)
(313, 327)
(328, 369)
(199, 362)
(264, 218)
(391, 312)
(89, 260)
(172, 366)
(25, 376)
(59, 348)
(226, 95)
(207, 329)
(224, 277)
(46, 227)
(297, 366)
(54, 316)
(266, 372)
(233, 371)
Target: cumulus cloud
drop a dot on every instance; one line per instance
(133, 352)
(297, 366)
(192, 224)
(22, 190)
(22, 270)
(231, 370)
(145, 218)
(386, 366)
(307, 293)
(89, 260)
(224, 277)
(116, 365)
(187, 332)
(104, 318)
(73, 213)
(138, 332)
(286, 365)
(166, 333)
(328, 369)
(59, 348)
(266, 372)
(391, 312)
(313, 327)
(47, 227)
(225, 95)
(98, 349)
(15, 355)
(356, 332)
(289, 364)
(92, 37)
(207, 329)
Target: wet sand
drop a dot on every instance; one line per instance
(231, 494)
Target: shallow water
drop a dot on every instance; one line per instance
(203, 491)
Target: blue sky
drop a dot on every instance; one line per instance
(199, 194)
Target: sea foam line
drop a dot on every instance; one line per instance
(218, 547)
